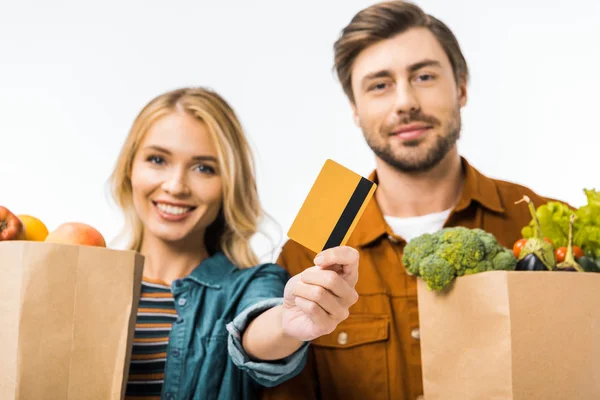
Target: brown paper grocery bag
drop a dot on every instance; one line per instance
(512, 335)
(68, 317)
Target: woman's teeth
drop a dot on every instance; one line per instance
(173, 210)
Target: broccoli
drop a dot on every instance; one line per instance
(482, 266)
(440, 257)
(461, 248)
(437, 272)
(492, 247)
(416, 250)
(504, 261)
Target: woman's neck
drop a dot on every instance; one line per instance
(168, 261)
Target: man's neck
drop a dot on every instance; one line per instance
(404, 195)
(167, 262)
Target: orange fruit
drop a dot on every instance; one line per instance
(34, 228)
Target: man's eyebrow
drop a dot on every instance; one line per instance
(425, 63)
(384, 73)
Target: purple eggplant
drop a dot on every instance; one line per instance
(567, 269)
(536, 244)
(530, 262)
(588, 264)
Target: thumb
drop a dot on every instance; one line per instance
(343, 260)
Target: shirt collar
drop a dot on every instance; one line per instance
(477, 187)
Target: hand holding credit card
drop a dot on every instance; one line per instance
(332, 208)
(319, 298)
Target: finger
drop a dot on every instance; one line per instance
(288, 291)
(317, 315)
(323, 298)
(341, 257)
(333, 282)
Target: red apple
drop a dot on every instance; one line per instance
(11, 227)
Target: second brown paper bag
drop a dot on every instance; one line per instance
(512, 335)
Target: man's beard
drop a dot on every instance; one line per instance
(434, 155)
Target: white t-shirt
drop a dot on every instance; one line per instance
(412, 227)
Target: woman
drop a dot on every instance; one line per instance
(212, 323)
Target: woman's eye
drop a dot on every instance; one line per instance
(206, 169)
(155, 159)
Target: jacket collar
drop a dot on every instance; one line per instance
(211, 271)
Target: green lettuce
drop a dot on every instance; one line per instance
(554, 221)
(587, 225)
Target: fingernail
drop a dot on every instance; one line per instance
(319, 259)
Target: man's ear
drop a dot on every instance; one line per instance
(355, 114)
(462, 92)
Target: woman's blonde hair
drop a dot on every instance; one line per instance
(240, 212)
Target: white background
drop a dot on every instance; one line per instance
(73, 76)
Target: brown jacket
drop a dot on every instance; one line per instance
(375, 353)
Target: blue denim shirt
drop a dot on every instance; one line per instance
(205, 357)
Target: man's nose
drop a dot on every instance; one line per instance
(407, 100)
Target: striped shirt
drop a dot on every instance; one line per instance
(156, 314)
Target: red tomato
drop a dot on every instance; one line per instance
(561, 253)
(518, 246)
(578, 252)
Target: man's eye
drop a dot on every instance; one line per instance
(425, 77)
(378, 86)
(155, 159)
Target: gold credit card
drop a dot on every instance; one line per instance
(332, 208)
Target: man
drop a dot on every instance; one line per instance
(406, 79)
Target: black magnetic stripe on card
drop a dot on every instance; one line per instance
(352, 208)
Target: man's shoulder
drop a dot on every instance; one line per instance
(511, 192)
(508, 191)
